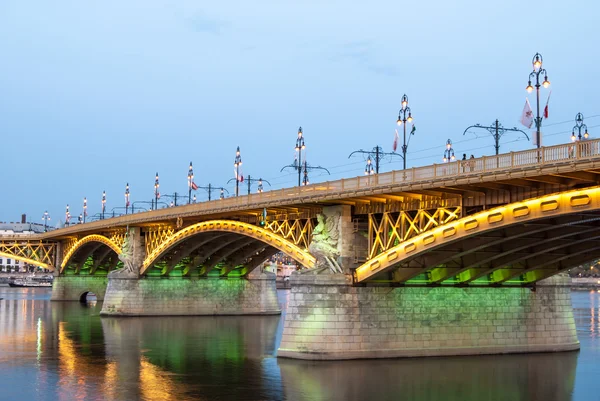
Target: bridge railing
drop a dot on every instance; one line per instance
(551, 155)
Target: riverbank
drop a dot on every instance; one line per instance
(585, 283)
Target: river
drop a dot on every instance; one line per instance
(65, 351)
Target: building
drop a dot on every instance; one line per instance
(17, 230)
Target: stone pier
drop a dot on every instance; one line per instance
(327, 318)
(72, 288)
(179, 296)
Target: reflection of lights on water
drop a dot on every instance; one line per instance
(39, 338)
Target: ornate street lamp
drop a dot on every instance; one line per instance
(46, 218)
(191, 184)
(84, 209)
(449, 152)
(369, 170)
(127, 198)
(404, 117)
(156, 191)
(299, 147)
(579, 125)
(236, 164)
(103, 203)
(537, 62)
(67, 216)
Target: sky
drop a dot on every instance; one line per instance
(94, 95)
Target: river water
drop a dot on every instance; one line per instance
(65, 351)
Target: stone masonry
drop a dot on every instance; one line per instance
(329, 319)
(71, 288)
(182, 296)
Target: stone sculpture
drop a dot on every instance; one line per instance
(325, 244)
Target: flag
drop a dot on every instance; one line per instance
(194, 186)
(527, 116)
(412, 131)
(395, 145)
(127, 203)
(157, 195)
(546, 108)
(241, 177)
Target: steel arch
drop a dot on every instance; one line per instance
(565, 203)
(249, 230)
(85, 240)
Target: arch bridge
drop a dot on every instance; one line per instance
(510, 219)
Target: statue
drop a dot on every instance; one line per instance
(126, 256)
(325, 244)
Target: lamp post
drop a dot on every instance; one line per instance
(46, 218)
(375, 156)
(127, 198)
(236, 164)
(260, 185)
(537, 62)
(84, 209)
(497, 130)
(301, 166)
(80, 219)
(222, 194)
(103, 203)
(156, 191)
(579, 125)
(194, 199)
(210, 188)
(191, 184)
(67, 216)
(404, 117)
(448, 152)
(299, 147)
(369, 167)
(250, 180)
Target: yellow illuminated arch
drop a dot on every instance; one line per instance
(27, 260)
(85, 240)
(515, 213)
(249, 230)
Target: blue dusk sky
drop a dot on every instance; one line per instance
(95, 94)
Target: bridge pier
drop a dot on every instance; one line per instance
(327, 318)
(177, 296)
(72, 288)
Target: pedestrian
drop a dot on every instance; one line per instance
(464, 162)
(472, 162)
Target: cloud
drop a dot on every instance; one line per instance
(205, 24)
(364, 54)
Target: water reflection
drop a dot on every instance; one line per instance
(65, 351)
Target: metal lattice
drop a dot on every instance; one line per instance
(390, 229)
(299, 232)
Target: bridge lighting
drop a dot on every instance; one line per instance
(84, 209)
(222, 194)
(537, 62)
(579, 126)
(405, 116)
(448, 152)
(194, 198)
(529, 88)
(376, 155)
(127, 198)
(80, 219)
(191, 184)
(238, 177)
(103, 203)
(369, 170)
(46, 218)
(300, 164)
(156, 191)
(67, 216)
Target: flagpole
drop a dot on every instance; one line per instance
(190, 180)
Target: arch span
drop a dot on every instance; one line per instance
(237, 227)
(549, 232)
(87, 239)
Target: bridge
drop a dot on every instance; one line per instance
(509, 220)
(498, 214)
